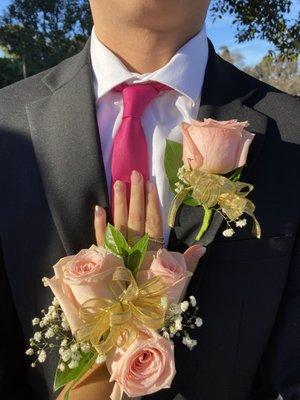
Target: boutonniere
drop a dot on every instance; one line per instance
(205, 171)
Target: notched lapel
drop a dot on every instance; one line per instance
(223, 98)
(67, 146)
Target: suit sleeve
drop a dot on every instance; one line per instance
(279, 372)
(13, 379)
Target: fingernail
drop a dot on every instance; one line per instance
(135, 177)
(198, 249)
(98, 211)
(118, 186)
(149, 186)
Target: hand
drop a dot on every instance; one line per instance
(142, 216)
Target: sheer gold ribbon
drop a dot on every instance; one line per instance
(211, 190)
(116, 322)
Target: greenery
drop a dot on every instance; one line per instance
(132, 255)
(10, 71)
(281, 73)
(70, 375)
(277, 71)
(263, 19)
(38, 34)
(173, 162)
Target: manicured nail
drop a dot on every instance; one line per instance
(118, 186)
(99, 211)
(135, 177)
(149, 186)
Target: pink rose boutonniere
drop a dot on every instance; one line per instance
(205, 171)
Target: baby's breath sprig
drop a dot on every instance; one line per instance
(181, 183)
(179, 320)
(53, 331)
(239, 223)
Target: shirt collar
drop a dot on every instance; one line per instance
(184, 72)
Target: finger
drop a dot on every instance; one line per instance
(192, 256)
(136, 216)
(100, 225)
(120, 207)
(153, 225)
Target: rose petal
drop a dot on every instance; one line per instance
(68, 307)
(247, 138)
(223, 145)
(117, 392)
(191, 153)
(145, 367)
(192, 256)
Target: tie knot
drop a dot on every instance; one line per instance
(136, 97)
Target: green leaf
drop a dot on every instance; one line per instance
(136, 255)
(69, 375)
(190, 201)
(235, 174)
(115, 242)
(132, 256)
(173, 161)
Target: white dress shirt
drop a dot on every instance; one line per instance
(184, 73)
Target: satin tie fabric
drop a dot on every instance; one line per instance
(130, 150)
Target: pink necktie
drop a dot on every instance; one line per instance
(130, 146)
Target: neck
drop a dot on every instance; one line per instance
(143, 50)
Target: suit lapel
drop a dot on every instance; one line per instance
(65, 137)
(223, 98)
(67, 146)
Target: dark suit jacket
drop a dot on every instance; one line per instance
(52, 175)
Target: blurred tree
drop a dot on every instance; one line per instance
(276, 71)
(10, 71)
(263, 19)
(281, 73)
(38, 34)
(235, 58)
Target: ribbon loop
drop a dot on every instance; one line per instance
(116, 322)
(212, 190)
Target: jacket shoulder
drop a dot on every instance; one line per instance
(282, 108)
(41, 84)
(23, 88)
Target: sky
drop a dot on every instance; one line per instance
(221, 33)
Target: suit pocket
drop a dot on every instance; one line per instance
(250, 249)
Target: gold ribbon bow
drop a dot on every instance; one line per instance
(211, 190)
(116, 322)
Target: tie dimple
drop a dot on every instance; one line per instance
(130, 150)
(136, 97)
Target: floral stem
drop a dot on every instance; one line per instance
(208, 213)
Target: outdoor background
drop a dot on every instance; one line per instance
(261, 37)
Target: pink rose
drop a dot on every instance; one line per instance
(215, 146)
(175, 269)
(145, 367)
(82, 277)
